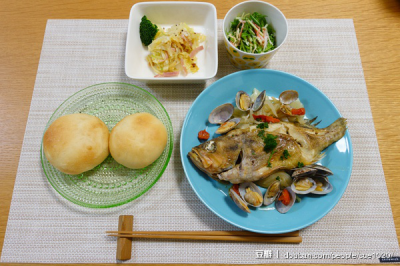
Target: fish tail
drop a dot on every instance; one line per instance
(336, 130)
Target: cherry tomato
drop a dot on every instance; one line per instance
(203, 134)
(285, 197)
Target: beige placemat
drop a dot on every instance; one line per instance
(44, 227)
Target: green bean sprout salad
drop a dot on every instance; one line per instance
(251, 33)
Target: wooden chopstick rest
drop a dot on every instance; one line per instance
(124, 244)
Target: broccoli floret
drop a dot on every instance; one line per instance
(147, 31)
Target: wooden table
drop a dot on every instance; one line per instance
(22, 27)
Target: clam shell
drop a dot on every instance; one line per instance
(321, 170)
(304, 171)
(312, 188)
(221, 113)
(238, 200)
(243, 101)
(253, 187)
(326, 185)
(288, 96)
(282, 208)
(274, 186)
(259, 102)
(228, 125)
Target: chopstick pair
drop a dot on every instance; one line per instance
(236, 236)
(125, 236)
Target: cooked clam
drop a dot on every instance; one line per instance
(283, 208)
(286, 109)
(259, 102)
(288, 96)
(251, 194)
(321, 170)
(304, 171)
(221, 113)
(323, 185)
(303, 185)
(243, 101)
(238, 200)
(272, 193)
(228, 125)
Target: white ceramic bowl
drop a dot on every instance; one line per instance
(202, 17)
(275, 17)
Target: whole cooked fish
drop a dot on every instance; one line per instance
(239, 156)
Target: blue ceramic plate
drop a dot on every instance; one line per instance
(339, 156)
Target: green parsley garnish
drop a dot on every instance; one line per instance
(269, 158)
(298, 199)
(300, 164)
(270, 142)
(278, 178)
(262, 125)
(285, 155)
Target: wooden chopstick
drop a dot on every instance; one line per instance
(241, 236)
(275, 239)
(203, 233)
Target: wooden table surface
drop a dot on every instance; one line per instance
(22, 27)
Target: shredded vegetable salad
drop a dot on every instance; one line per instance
(251, 33)
(173, 51)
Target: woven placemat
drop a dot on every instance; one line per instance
(44, 227)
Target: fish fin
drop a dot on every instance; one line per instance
(318, 158)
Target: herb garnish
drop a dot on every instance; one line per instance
(261, 134)
(278, 178)
(270, 144)
(262, 125)
(269, 159)
(300, 164)
(285, 155)
(298, 199)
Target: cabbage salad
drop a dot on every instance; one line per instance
(173, 51)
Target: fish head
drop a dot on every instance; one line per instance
(215, 156)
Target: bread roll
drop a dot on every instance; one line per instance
(76, 143)
(138, 140)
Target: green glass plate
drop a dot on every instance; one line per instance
(109, 184)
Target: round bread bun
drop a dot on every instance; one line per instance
(76, 143)
(138, 140)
